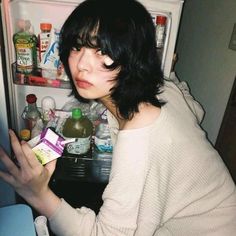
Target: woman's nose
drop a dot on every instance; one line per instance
(83, 59)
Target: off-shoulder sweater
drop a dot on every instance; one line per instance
(166, 179)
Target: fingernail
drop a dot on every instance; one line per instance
(11, 132)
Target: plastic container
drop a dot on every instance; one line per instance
(25, 43)
(81, 128)
(50, 59)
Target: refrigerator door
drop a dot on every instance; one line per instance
(7, 194)
(4, 137)
(172, 10)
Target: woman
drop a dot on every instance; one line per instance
(166, 178)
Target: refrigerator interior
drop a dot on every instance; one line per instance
(55, 12)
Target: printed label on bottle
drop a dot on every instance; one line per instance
(80, 146)
(103, 145)
(44, 40)
(160, 34)
(24, 57)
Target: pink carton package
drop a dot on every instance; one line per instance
(47, 146)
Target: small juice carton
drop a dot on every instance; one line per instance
(47, 146)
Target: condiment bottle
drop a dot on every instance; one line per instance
(43, 39)
(160, 30)
(25, 134)
(31, 113)
(25, 43)
(81, 128)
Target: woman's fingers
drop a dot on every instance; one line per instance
(51, 166)
(30, 156)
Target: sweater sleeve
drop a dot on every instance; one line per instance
(121, 198)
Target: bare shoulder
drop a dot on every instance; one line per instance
(146, 116)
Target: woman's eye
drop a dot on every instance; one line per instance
(75, 49)
(100, 52)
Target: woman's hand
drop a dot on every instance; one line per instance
(30, 179)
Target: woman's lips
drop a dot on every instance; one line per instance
(83, 84)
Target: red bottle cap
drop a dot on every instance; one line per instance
(160, 20)
(46, 26)
(31, 98)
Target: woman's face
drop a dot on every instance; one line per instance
(91, 79)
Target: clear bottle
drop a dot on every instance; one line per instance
(31, 114)
(25, 43)
(102, 139)
(160, 30)
(80, 128)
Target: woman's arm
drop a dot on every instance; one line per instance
(122, 196)
(30, 179)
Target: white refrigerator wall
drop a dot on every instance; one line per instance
(55, 12)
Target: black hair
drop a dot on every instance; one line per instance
(123, 30)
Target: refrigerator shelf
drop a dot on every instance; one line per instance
(36, 79)
(84, 169)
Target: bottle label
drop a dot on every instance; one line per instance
(44, 40)
(24, 57)
(80, 146)
(103, 145)
(160, 34)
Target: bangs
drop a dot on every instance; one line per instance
(86, 35)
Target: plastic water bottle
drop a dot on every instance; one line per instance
(102, 138)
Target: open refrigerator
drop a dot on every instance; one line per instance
(55, 12)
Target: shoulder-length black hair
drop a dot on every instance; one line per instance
(124, 31)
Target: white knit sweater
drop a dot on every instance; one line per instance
(166, 179)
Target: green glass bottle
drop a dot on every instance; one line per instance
(25, 43)
(80, 128)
